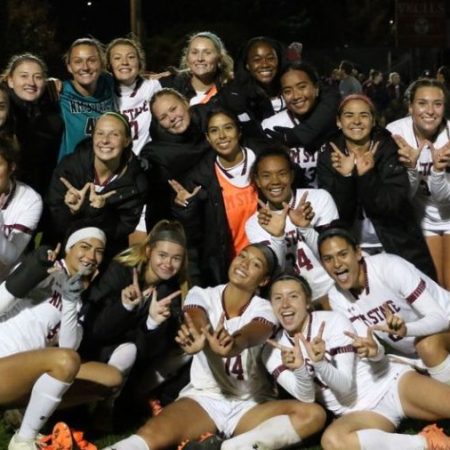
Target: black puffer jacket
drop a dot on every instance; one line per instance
(382, 192)
(118, 218)
(108, 324)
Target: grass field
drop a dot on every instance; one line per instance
(409, 426)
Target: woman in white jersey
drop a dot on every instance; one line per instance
(288, 218)
(424, 132)
(20, 209)
(409, 310)
(30, 365)
(125, 58)
(313, 358)
(225, 328)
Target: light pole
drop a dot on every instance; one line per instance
(135, 18)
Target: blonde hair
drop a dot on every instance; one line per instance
(132, 42)
(86, 41)
(16, 60)
(164, 230)
(225, 63)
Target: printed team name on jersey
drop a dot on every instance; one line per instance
(56, 301)
(375, 315)
(132, 113)
(239, 199)
(80, 107)
(292, 238)
(299, 156)
(425, 168)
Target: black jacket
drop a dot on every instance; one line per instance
(118, 218)
(170, 156)
(108, 324)
(38, 127)
(382, 192)
(206, 224)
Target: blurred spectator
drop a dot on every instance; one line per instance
(396, 108)
(348, 84)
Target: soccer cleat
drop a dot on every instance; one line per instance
(64, 438)
(17, 443)
(435, 437)
(207, 441)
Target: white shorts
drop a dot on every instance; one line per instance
(390, 405)
(225, 413)
(435, 232)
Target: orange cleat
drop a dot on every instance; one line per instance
(435, 437)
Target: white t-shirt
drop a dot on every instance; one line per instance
(243, 376)
(434, 216)
(299, 249)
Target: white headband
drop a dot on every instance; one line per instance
(85, 233)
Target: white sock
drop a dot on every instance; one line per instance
(123, 357)
(376, 439)
(45, 398)
(441, 372)
(276, 432)
(134, 442)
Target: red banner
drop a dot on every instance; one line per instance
(420, 23)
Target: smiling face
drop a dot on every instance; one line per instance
(223, 136)
(262, 62)
(172, 113)
(274, 178)
(290, 304)
(299, 92)
(109, 139)
(342, 262)
(248, 270)
(86, 255)
(85, 65)
(427, 110)
(124, 62)
(165, 260)
(356, 121)
(27, 81)
(202, 57)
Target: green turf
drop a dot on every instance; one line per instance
(409, 426)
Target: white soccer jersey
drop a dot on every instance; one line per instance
(135, 104)
(243, 376)
(43, 319)
(19, 217)
(342, 382)
(433, 215)
(305, 160)
(301, 245)
(439, 185)
(409, 293)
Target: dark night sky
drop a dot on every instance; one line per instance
(330, 30)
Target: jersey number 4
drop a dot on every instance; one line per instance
(233, 367)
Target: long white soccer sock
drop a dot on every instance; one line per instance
(375, 439)
(276, 432)
(134, 442)
(123, 357)
(45, 397)
(441, 372)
